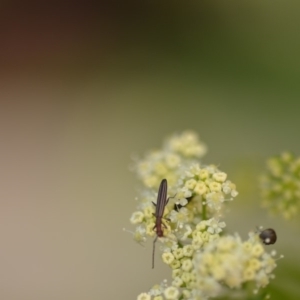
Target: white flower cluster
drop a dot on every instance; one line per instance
(198, 192)
(209, 184)
(204, 263)
(280, 185)
(200, 195)
(177, 153)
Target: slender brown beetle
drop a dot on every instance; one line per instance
(160, 205)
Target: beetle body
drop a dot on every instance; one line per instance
(160, 205)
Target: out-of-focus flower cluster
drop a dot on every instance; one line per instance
(229, 263)
(280, 185)
(224, 263)
(204, 263)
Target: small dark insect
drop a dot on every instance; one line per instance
(160, 205)
(268, 236)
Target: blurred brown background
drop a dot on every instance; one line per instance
(83, 86)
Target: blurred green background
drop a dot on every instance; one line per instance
(85, 86)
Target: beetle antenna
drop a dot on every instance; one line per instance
(153, 251)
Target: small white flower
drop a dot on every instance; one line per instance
(167, 258)
(140, 234)
(193, 170)
(144, 296)
(203, 174)
(178, 253)
(200, 188)
(234, 193)
(169, 243)
(215, 200)
(190, 184)
(156, 290)
(215, 186)
(177, 282)
(181, 202)
(171, 293)
(180, 216)
(220, 176)
(226, 187)
(188, 250)
(172, 160)
(137, 217)
(215, 226)
(187, 265)
(185, 192)
(187, 231)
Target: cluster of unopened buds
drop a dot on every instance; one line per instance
(187, 219)
(280, 185)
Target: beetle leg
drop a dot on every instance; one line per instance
(170, 198)
(164, 225)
